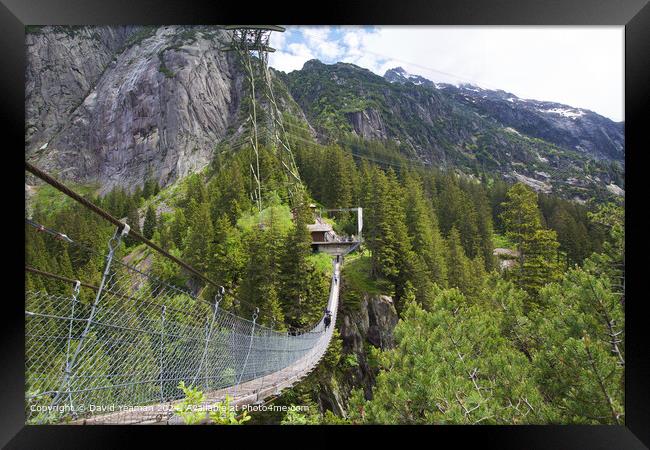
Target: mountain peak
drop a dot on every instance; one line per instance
(312, 64)
(399, 75)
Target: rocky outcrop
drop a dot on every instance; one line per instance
(506, 257)
(161, 103)
(399, 75)
(363, 323)
(371, 324)
(367, 124)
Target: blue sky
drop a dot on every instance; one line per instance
(579, 66)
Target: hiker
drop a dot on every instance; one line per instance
(328, 318)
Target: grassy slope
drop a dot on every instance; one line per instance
(501, 241)
(48, 199)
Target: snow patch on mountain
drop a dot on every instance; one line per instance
(564, 112)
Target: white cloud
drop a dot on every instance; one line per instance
(278, 40)
(329, 49)
(579, 66)
(286, 62)
(352, 40)
(320, 42)
(291, 58)
(299, 49)
(315, 35)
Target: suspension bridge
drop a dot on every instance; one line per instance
(115, 352)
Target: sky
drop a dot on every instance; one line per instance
(579, 66)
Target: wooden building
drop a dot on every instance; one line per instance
(321, 231)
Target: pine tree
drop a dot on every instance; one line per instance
(521, 217)
(457, 209)
(196, 190)
(227, 193)
(541, 264)
(178, 228)
(451, 365)
(538, 261)
(228, 256)
(133, 219)
(258, 286)
(392, 257)
(449, 202)
(572, 235)
(137, 196)
(423, 231)
(295, 267)
(484, 225)
(467, 224)
(197, 247)
(497, 194)
(580, 362)
(271, 314)
(36, 256)
(380, 234)
(458, 265)
(150, 222)
(337, 176)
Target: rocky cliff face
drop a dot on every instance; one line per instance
(367, 124)
(63, 65)
(369, 325)
(136, 102)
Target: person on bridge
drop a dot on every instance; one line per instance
(328, 318)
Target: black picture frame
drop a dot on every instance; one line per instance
(633, 14)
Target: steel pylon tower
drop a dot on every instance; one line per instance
(251, 44)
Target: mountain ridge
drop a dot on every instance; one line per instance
(555, 122)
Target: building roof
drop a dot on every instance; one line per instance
(319, 227)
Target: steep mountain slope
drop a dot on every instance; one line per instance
(116, 105)
(568, 127)
(435, 126)
(565, 126)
